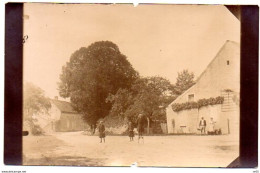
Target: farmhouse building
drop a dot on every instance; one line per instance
(61, 118)
(215, 95)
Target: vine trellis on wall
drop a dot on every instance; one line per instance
(200, 103)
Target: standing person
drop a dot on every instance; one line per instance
(140, 127)
(101, 130)
(211, 126)
(131, 131)
(203, 125)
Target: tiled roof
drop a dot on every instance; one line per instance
(63, 106)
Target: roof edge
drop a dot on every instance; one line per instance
(215, 57)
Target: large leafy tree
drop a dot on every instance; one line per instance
(185, 80)
(92, 74)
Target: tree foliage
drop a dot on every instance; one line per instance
(34, 100)
(148, 96)
(185, 80)
(92, 74)
(121, 102)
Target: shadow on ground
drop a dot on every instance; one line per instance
(64, 161)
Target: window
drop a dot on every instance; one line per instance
(191, 97)
(227, 62)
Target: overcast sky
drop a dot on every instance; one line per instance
(158, 40)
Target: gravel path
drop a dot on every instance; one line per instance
(73, 148)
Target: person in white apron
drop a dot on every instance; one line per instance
(211, 126)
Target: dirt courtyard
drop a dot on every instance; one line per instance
(74, 148)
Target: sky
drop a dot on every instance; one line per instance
(158, 40)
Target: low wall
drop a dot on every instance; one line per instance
(115, 125)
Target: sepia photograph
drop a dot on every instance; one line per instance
(156, 85)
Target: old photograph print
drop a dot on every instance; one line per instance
(113, 85)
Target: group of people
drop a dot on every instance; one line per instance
(140, 129)
(141, 124)
(203, 124)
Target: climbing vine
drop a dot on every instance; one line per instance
(200, 103)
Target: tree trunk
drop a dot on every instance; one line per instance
(93, 128)
(148, 126)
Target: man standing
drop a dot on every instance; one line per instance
(203, 125)
(140, 127)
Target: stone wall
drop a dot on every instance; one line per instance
(115, 125)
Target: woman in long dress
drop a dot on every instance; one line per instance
(211, 126)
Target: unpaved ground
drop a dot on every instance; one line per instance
(73, 148)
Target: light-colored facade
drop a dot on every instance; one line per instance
(220, 78)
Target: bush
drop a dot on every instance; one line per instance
(37, 130)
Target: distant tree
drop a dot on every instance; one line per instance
(34, 102)
(148, 96)
(91, 75)
(184, 81)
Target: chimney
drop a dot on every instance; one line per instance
(56, 98)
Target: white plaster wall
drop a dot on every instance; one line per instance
(190, 119)
(217, 77)
(211, 111)
(187, 118)
(170, 115)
